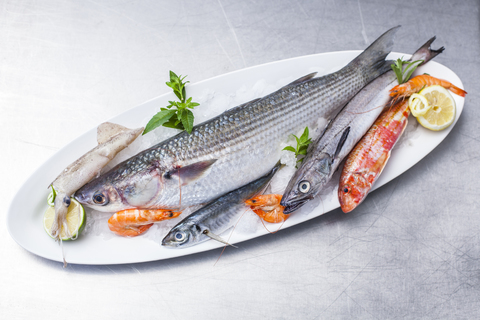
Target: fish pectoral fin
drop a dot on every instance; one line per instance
(216, 237)
(341, 142)
(303, 79)
(193, 172)
(107, 130)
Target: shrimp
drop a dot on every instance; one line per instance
(417, 83)
(268, 207)
(134, 222)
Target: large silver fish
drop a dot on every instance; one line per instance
(216, 217)
(342, 134)
(234, 148)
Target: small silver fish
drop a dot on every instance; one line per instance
(342, 133)
(216, 217)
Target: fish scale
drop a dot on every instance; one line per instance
(245, 142)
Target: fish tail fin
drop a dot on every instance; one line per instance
(372, 60)
(426, 53)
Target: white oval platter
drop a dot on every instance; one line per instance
(24, 218)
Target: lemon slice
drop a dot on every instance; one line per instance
(418, 104)
(442, 111)
(76, 220)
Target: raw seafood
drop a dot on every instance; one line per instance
(134, 222)
(223, 154)
(326, 153)
(216, 217)
(112, 138)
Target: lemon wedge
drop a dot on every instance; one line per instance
(76, 220)
(442, 108)
(418, 104)
(51, 197)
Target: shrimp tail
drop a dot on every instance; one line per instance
(419, 82)
(457, 90)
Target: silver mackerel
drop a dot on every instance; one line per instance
(342, 134)
(234, 148)
(216, 217)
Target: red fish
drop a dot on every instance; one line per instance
(366, 161)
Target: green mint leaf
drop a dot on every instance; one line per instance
(159, 119)
(181, 105)
(302, 145)
(175, 115)
(398, 73)
(192, 105)
(173, 76)
(171, 124)
(179, 113)
(174, 122)
(184, 93)
(304, 136)
(410, 69)
(178, 94)
(290, 148)
(302, 151)
(298, 140)
(187, 120)
(404, 75)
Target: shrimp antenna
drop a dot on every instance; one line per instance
(221, 253)
(272, 232)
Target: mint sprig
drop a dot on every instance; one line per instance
(177, 114)
(404, 75)
(302, 145)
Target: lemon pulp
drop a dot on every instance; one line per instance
(442, 108)
(76, 219)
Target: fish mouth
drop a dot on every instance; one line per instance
(293, 205)
(81, 197)
(170, 242)
(167, 242)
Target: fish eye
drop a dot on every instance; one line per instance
(304, 186)
(346, 189)
(100, 198)
(180, 236)
(167, 175)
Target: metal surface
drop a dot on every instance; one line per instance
(411, 250)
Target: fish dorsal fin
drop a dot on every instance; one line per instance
(303, 79)
(216, 237)
(341, 142)
(247, 103)
(107, 130)
(193, 172)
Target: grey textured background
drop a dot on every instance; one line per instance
(410, 251)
